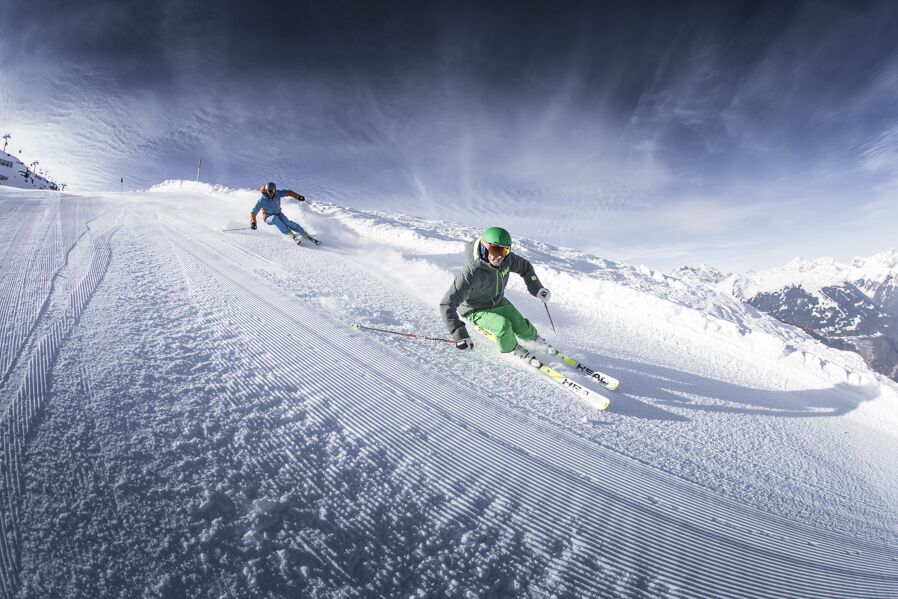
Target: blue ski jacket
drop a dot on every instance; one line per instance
(273, 205)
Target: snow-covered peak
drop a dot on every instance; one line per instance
(811, 275)
(851, 307)
(702, 273)
(876, 266)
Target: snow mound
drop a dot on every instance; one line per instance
(176, 185)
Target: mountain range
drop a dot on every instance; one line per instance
(852, 307)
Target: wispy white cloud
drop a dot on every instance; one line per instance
(881, 154)
(650, 136)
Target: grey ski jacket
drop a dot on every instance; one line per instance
(480, 285)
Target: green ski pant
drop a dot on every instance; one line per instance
(506, 323)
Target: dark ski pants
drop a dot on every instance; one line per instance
(506, 323)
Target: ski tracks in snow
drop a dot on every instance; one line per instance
(315, 462)
(589, 521)
(40, 253)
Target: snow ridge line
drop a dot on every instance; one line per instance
(331, 389)
(22, 414)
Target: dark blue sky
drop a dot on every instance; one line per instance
(656, 132)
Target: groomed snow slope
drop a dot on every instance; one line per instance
(185, 410)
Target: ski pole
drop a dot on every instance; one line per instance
(315, 206)
(403, 333)
(550, 319)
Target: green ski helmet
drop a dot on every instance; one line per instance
(496, 236)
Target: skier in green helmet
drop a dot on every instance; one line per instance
(478, 291)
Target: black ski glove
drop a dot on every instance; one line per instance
(465, 343)
(252, 225)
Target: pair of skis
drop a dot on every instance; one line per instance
(591, 397)
(607, 381)
(297, 239)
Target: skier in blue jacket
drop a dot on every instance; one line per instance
(270, 205)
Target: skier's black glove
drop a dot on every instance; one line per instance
(464, 344)
(252, 225)
(301, 198)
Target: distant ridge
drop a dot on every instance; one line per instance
(852, 307)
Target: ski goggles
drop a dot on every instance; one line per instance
(497, 250)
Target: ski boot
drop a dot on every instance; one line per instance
(526, 355)
(546, 345)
